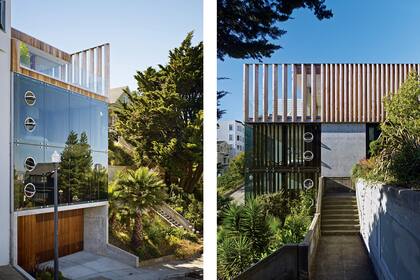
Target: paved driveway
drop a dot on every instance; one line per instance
(84, 265)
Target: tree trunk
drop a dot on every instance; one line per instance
(136, 236)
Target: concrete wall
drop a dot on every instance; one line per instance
(342, 145)
(96, 229)
(390, 227)
(5, 140)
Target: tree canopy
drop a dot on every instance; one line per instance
(245, 27)
(163, 119)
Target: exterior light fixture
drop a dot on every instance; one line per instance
(308, 137)
(308, 184)
(29, 190)
(30, 124)
(30, 164)
(308, 155)
(30, 98)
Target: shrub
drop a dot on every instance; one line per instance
(295, 228)
(234, 175)
(46, 273)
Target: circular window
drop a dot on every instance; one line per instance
(29, 190)
(30, 124)
(308, 184)
(308, 137)
(30, 163)
(308, 155)
(30, 98)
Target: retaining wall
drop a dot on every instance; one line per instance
(390, 227)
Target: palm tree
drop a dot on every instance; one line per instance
(138, 190)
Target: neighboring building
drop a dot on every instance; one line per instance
(232, 132)
(118, 94)
(57, 104)
(223, 156)
(294, 136)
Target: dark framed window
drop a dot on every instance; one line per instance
(3, 15)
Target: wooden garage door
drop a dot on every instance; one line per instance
(36, 237)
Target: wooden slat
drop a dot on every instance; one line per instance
(91, 81)
(275, 88)
(314, 93)
(385, 88)
(359, 93)
(256, 95)
(331, 105)
(303, 91)
(99, 69)
(107, 69)
(76, 64)
(294, 95)
(83, 70)
(336, 93)
(265, 92)
(340, 93)
(345, 98)
(355, 81)
(392, 79)
(368, 111)
(15, 59)
(401, 77)
(364, 118)
(246, 92)
(378, 93)
(323, 90)
(350, 92)
(284, 91)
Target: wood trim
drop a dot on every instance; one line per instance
(294, 95)
(359, 93)
(350, 92)
(284, 91)
(38, 44)
(275, 89)
(322, 109)
(15, 59)
(345, 88)
(314, 92)
(336, 93)
(304, 91)
(246, 92)
(340, 106)
(256, 97)
(265, 92)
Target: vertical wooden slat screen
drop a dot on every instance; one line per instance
(303, 91)
(322, 109)
(107, 69)
(364, 92)
(294, 95)
(378, 92)
(246, 92)
(83, 69)
(340, 106)
(91, 69)
(314, 93)
(284, 91)
(99, 69)
(345, 85)
(275, 88)
(327, 93)
(265, 92)
(256, 97)
(76, 69)
(368, 93)
(350, 92)
(336, 86)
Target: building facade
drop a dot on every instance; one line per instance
(224, 155)
(312, 120)
(232, 132)
(54, 103)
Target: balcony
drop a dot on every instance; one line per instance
(86, 72)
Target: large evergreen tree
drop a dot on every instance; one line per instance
(163, 119)
(245, 27)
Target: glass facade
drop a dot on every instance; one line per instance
(281, 156)
(65, 123)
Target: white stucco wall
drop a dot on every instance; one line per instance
(238, 130)
(5, 140)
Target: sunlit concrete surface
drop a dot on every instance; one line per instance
(9, 273)
(84, 266)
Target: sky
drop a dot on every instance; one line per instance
(374, 31)
(140, 33)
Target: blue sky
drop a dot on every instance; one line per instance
(375, 31)
(140, 32)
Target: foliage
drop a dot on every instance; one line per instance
(396, 153)
(252, 231)
(135, 191)
(118, 156)
(188, 205)
(163, 119)
(46, 273)
(245, 27)
(24, 55)
(234, 175)
(234, 255)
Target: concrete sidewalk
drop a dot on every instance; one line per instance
(84, 266)
(7, 272)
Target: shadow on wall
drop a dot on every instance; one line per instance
(390, 227)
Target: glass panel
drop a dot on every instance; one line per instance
(56, 112)
(99, 125)
(99, 185)
(63, 189)
(23, 111)
(34, 197)
(80, 115)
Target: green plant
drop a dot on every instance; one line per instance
(295, 228)
(234, 175)
(46, 273)
(234, 255)
(277, 204)
(136, 191)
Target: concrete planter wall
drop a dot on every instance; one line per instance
(390, 227)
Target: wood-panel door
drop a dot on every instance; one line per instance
(36, 237)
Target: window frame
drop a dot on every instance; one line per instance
(3, 15)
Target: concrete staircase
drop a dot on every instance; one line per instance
(339, 215)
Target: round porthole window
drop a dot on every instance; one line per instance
(308, 184)
(29, 164)
(308, 155)
(30, 98)
(29, 190)
(308, 137)
(30, 124)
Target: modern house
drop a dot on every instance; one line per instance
(232, 132)
(303, 121)
(53, 103)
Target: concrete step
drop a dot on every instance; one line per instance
(339, 216)
(339, 202)
(337, 207)
(339, 211)
(339, 232)
(343, 221)
(340, 227)
(339, 198)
